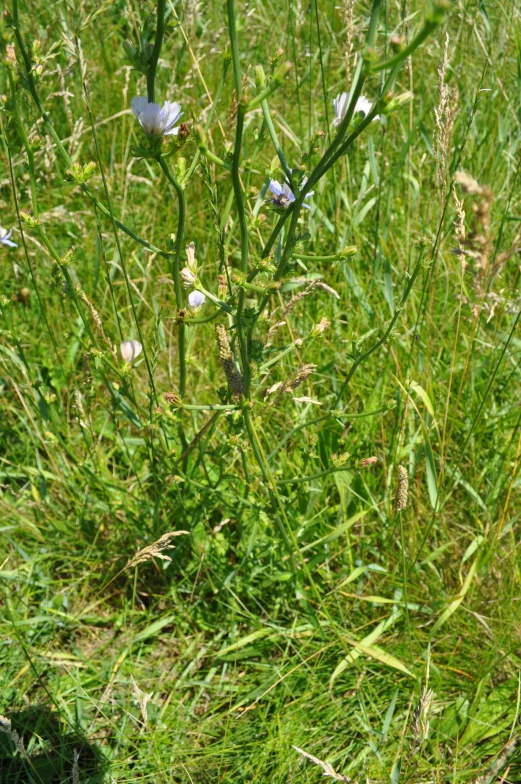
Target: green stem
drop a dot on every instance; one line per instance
(156, 51)
(398, 59)
(318, 475)
(178, 288)
(213, 158)
(237, 189)
(214, 299)
(274, 234)
(274, 138)
(356, 364)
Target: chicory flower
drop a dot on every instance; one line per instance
(5, 238)
(155, 120)
(283, 196)
(196, 299)
(341, 102)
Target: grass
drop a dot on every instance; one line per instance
(301, 609)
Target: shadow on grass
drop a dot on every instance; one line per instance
(40, 748)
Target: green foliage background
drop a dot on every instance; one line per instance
(242, 659)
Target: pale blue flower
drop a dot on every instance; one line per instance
(196, 299)
(283, 196)
(5, 238)
(155, 120)
(341, 102)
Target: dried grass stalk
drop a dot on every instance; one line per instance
(5, 726)
(97, 320)
(498, 765)
(233, 376)
(155, 550)
(315, 284)
(327, 769)
(142, 700)
(420, 721)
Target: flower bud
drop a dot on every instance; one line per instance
(282, 71)
(397, 43)
(348, 251)
(190, 255)
(188, 277)
(29, 219)
(196, 299)
(397, 101)
(259, 76)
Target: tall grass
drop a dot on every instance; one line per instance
(336, 426)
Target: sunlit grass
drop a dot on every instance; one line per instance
(309, 606)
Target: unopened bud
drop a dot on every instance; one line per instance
(29, 219)
(398, 101)
(259, 76)
(282, 71)
(188, 277)
(397, 43)
(348, 251)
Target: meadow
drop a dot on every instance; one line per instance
(260, 432)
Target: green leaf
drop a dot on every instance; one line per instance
(154, 628)
(453, 606)
(368, 640)
(430, 465)
(382, 656)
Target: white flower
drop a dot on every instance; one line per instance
(283, 196)
(341, 103)
(196, 299)
(5, 238)
(130, 349)
(154, 120)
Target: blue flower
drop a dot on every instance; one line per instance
(155, 120)
(283, 196)
(196, 299)
(5, 238)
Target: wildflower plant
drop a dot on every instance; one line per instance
(271, 246)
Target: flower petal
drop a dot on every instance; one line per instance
(130, 349)
(276, 188)
(138, 105)
(171, 112)
(196, 299)
(151, 120)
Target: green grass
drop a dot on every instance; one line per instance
(243, 655)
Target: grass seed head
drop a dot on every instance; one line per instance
(402, 491)
(233, 376)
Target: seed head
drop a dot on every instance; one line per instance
(402, 491)
(233, 376)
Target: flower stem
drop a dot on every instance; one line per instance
(178, 288)
(274, 138)
(156, 51)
